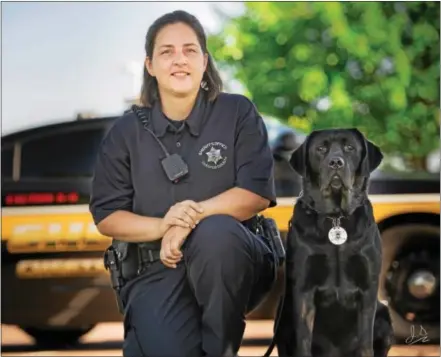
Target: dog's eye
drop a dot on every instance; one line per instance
(321, 148)
(349, 148)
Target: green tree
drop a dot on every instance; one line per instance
(372, 65)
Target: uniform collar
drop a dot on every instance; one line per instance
(193, 121)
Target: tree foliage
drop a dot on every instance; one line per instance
(370, 65)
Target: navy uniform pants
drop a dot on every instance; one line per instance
(198, 309)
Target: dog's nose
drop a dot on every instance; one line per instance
(336, 163)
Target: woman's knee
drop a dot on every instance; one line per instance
(218, 235)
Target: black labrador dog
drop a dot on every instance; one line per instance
(333, 253)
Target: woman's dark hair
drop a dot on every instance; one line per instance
(213, 82)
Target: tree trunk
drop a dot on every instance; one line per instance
(418, 164)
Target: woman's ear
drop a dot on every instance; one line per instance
(205, 61)
(149, 67)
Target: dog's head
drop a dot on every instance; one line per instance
(335, 165)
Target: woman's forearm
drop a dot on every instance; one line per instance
(130, 227)
(236, 202)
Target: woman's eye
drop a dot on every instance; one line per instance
(349, 148)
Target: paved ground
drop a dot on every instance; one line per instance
(105, 340)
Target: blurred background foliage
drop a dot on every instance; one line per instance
(370, 65)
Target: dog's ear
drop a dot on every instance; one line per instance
(372, 155)
(299, 158)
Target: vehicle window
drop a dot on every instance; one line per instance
(7, 160)
(67, 154)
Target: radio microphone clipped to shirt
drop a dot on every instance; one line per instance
(173, 164)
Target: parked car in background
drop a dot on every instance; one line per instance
(55, 285)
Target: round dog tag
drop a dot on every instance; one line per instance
(337, 235)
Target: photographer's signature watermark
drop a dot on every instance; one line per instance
(415, 338)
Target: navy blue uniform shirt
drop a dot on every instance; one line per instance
(224, 144)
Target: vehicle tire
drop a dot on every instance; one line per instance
(57, 337)
(409, 279)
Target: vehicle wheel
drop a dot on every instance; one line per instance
(409, 280)
(56, 337)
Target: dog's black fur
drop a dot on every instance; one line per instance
(330, 304)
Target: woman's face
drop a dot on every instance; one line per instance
(178, 62)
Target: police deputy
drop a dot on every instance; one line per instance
(208, 269)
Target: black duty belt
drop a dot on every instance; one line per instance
(125, 261)
(147, 256)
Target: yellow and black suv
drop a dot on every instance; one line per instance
(54, 283)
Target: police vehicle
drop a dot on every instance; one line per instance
(55, 286)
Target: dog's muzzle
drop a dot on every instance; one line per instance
(335, 180)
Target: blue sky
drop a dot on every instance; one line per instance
(59, 59)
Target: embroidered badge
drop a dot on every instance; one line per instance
(213, 155)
